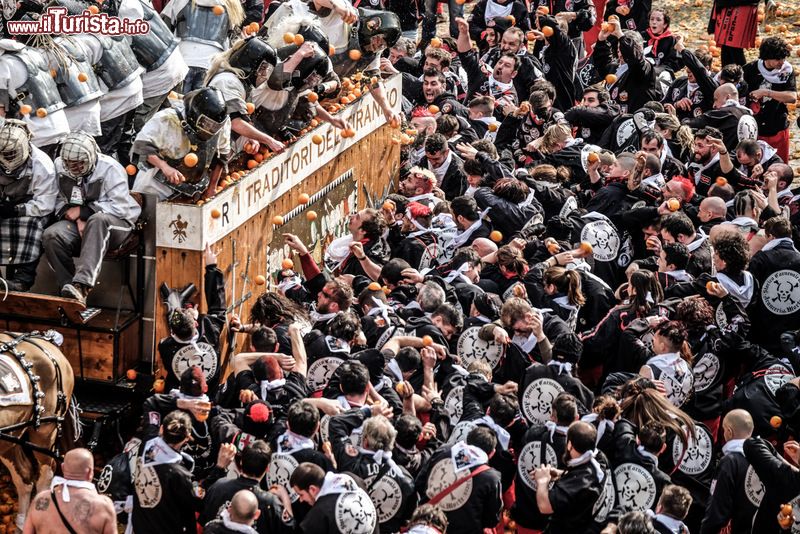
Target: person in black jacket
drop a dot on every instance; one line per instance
(515, 11)
(512, 203)
(736, 492)
(635, 77)
(639, 481)
(445, 165)
(728, 116)
(781, 480)
(253, 464)
(238, 516)
(577, 491)
(692, 94)
(194, 338)
(661, 43)
(594, 114)
(558, 58)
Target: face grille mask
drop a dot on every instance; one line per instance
(15, 145)
(78, 154)
(207, 127)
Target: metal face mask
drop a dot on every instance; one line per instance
(79, 154)
(15, 145)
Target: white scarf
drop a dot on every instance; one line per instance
(482, 318)
(554, 427)
(394, 368)
(602, 426)
(734, 445)
(338, 250)
(493, 9)
(732, 103)
(775, 76)
(290, 442)
(647, 454)
(675, 526)
(425, 196)
(423, 529)
(699, 240)
(665, 361)
(527, 344)
(680, 275)
(502, 434)
(656, 180)
(621, 69)
(589, 456)
(466, 456)
(462, 238)
(459, 273)
(178, 395)
(289, 283)
(236, 527)
(269, 385)
(468, 193)
(336, 483)
(698, 168)
(785, 193)
(746, 223)
(525, 203)
(691, 88)
(563, 367)
(743, 293)
(775, 242)
(161, 453)
(441, 170)
(498, 88)
(382, 309)
(67, 483)
(317, 317)
(379, 456)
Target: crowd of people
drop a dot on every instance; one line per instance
(579, 311)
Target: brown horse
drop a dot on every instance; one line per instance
(39, 424)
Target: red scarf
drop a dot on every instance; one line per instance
(654, 39)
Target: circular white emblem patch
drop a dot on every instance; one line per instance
(603, 238)
(387, 497)
(698, 455)
(355, 513)
(570, 205)
(781, 292)
(625, 131)
(104, 481)
(533, 455)
(705, 371)
(537, 400)
(747, 127)
(776, 376)
(636, 489)
(321, 371)
(454, 404)
(442, 476)
(204, 357)
(460, 431)
(471, 348)
(147, 486)
(280, 471)
(605, 503)
(753, 487)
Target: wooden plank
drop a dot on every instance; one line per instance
(35, 306)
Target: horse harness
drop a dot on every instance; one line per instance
(11, 347)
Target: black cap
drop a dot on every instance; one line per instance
(249, 57)
(374, 23)
(488, 305)
(568, 348)
(205, 111)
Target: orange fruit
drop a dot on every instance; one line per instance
(388, 205)
(190, 159)
(277, 220)
(374, 286)
(433, 109)
(553, 247)
(775, 422)
(250, 108)
(287, 264)
(312, 97)
(543, 10)
(303, 198)
(288, 38)
(547, 31)
(331, 50)
(411, 131)
(260, 280)
(158, 386)
(41, 113)
(673, 204)
(586, 247)
(215, 213)
(400, 387)
(25, 109)
(797, 40)
(767, 28)
(395, 140)
(82, 77)
(460, 2)
(131, 170)
(218, 10)
(786, 509)
(592, 157)
(316, 139)
(519, 291)
(721, 181)
(299, 39)
(611, 79)
(94, 10)
(254, 27)
(427, 341)
(131, 374)
(53, 73)
(782, 28)
(607, 27)
(496, 236)
(512, 19)
(348, 132)
(492, 127)
(613, 17)
(252, 164)
(531, 36)
(354, 54)
(625, 10)
(710, 285)
(258, 157)
(436, 42)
